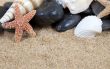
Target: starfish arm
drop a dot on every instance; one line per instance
(17, 13)
(29, 16)
(105, 12)
(18, 34)
(9, 25)
(29, 29)
(104, 2)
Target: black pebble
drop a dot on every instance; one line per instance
(69, 22)
(88, 11)
(2, 12)
(48, 14)
(106, 25)
(7, 5)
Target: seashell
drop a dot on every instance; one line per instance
(88, 27)
(75, 6)
(25, 7)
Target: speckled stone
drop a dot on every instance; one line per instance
(96, 7)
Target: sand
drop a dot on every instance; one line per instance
(53, 50)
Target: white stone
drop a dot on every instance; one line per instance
(75, 6)
(88, 27)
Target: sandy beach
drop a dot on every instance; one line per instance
(54, 50)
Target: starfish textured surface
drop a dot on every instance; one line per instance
(106, 11)
(21, 24)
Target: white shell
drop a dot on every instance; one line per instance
(25, 7)
(75, 6)
(88, 27)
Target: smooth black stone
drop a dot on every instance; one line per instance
(2, 12)
(69, 22)
(66, 10)
(7, 5)
(106, 25)
(88, 11)
(1, 28)
(48, 13)
(97, 7)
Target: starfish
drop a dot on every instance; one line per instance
(106, 11)
(20, 24)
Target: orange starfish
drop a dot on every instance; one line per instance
(20, 24)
